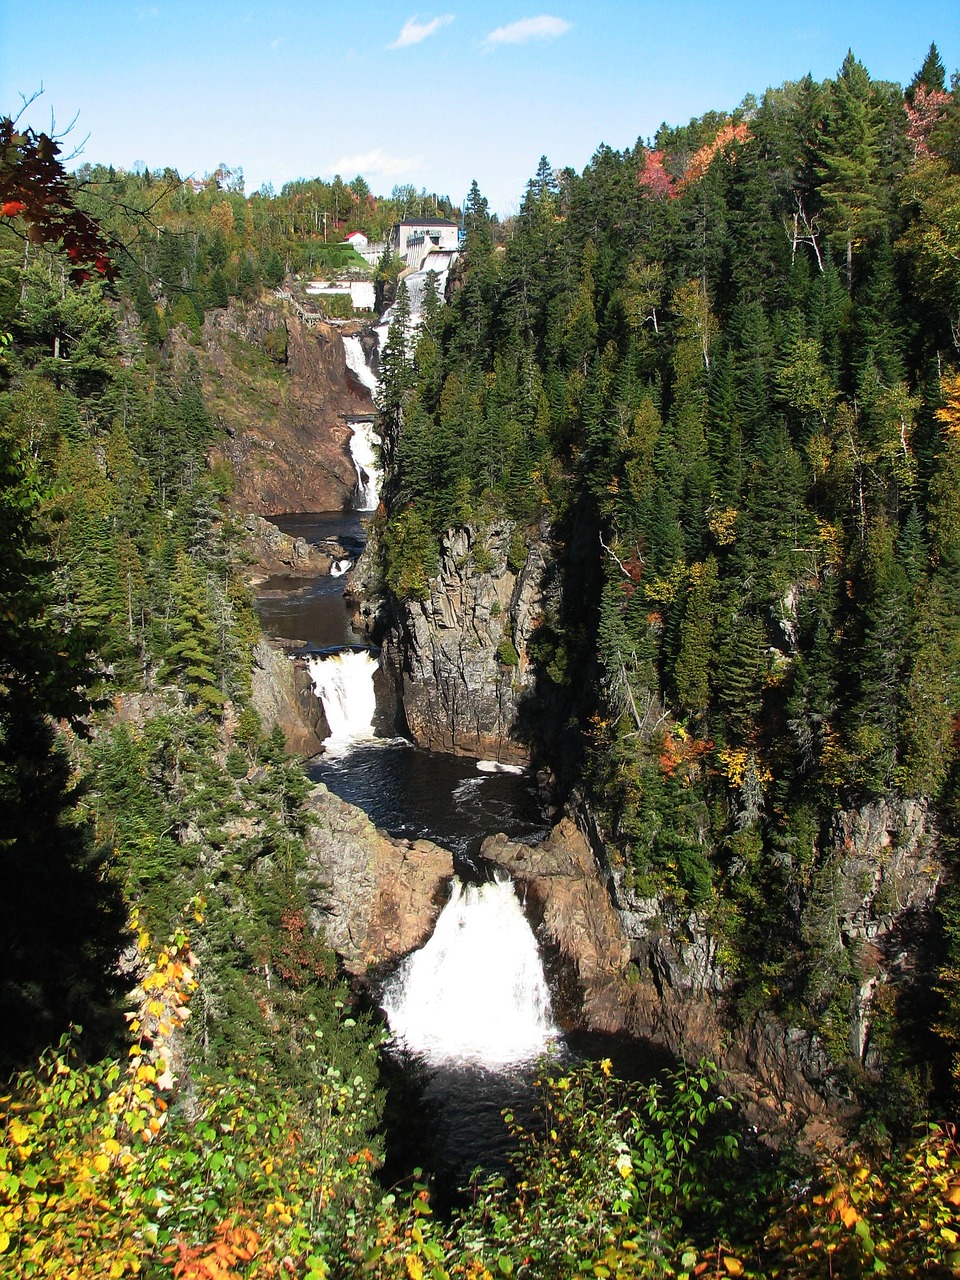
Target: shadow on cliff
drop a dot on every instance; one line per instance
(552, 715)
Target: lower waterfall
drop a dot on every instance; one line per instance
(476, 991)
(343, 682)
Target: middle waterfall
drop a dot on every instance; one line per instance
(363, 441)
(343, 682)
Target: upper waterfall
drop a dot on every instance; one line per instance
(476, 991)
(364, 442)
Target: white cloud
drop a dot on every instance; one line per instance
(275, 44)
(413, 31)
(375, 162)
(543, 28)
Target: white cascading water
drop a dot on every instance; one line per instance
(476, 991)
(364, 442)
(344, 684)
(363, 451)
(339, 567)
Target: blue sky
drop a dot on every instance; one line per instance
(434, 97)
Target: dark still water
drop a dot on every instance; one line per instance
(447, 799)
(312, 609)
(317, 527)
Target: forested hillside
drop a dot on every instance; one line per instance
(726, 363)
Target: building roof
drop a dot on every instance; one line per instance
(428, 222)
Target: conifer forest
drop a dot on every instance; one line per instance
(720, 372)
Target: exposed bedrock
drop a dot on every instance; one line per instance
(458, 659)
(642, 968)
(375, 896)
(287, 439)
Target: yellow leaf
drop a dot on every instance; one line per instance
(733, 1265)
(414, 1267)
(4, 1241)
(953, 1195)
(849, 1216)
(951, 1237)
(19, 1131)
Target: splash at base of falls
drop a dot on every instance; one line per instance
(476, 991)
(344, 684)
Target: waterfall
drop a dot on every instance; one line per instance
(476, 991)
(339, 567)
(364, 442)
(363, 451)
(357, 364)
(343, 682)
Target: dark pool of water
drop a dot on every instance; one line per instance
(344, 527)
(414, 794)
(313, 611)
(449, 1121)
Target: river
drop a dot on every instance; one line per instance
(471, 1013)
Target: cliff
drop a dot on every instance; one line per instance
(375, 897)
(280, 390)
(458, 660)
(641, 967)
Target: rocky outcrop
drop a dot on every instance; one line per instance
(640, 967)
(459, 658)
(575, 917)
(273, 553)
(375, 897)
(281, 391)
(283, 695)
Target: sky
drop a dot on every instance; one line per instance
(434, 97)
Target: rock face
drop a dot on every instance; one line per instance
(574, 914)
(288, 443)
(640, 967)
(375, 897)
(274, 553)
(458, 659)
(283, 695)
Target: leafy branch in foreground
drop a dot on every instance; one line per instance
(34, 188)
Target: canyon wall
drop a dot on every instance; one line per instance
(458, 659)
(280, 390)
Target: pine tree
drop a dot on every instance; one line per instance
(848, 162)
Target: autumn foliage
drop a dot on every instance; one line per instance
(35, 189)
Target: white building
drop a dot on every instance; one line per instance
(414, 238)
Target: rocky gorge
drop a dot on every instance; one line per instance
(456, 675)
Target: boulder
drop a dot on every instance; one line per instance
(375, 897)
